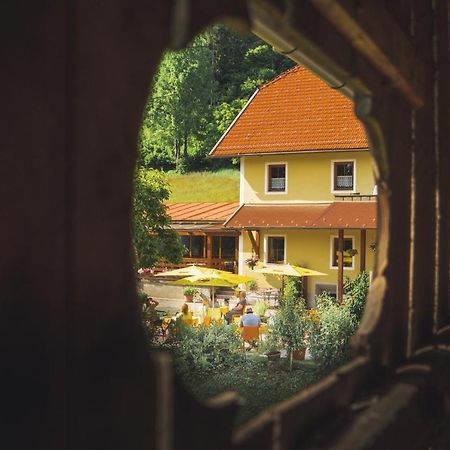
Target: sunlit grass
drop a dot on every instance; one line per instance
(220, 186)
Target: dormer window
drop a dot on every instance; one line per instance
(343, 176)
(276, 178)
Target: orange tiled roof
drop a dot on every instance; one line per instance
(346, 214)
(294, 112)
(209, 212)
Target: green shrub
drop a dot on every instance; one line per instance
(292, 289)
(260, 307)
(329, 339)
(290, 324)
(355, 294)
(200, 351)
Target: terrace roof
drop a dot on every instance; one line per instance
(341, 214)
(201, 212)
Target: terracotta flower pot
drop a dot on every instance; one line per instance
(299, 355)
(188, 298)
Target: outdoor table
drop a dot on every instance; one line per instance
(196, 308)
(224, 310)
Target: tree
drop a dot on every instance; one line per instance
(154, 240)
(196, 94)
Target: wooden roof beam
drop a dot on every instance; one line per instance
(301, 34)
(374, 33)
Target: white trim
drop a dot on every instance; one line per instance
(339, 191)
(266, 250)
(232, 124)
(335, 236)
(241, 255)
(266, 178)
(284, 202)
(241, 180)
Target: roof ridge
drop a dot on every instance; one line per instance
(281, 75)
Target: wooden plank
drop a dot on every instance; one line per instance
(443, 167)
(340, 273)
(362, 251)
(390, 52)
(423, 189)
(209, 249)
(308, 39)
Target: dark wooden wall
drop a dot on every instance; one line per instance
(75, 373)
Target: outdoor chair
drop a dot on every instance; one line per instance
(250, 334)
(207, 321)
(236, 318)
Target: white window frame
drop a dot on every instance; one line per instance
(341, 191)
(266, 178)
(335, 236)
(266, 247)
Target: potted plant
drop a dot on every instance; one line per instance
(290, 327)
(189, 293)
(251, 262)
(270, 348)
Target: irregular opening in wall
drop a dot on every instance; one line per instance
(326, 186)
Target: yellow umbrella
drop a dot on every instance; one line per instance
(290, 270)
(185, 271)
(213, 279)
(287, 270)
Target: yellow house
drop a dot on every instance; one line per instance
(307, 188)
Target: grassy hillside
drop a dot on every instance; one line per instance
(221, 186)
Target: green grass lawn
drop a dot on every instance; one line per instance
(220, 186)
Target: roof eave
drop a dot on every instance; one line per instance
(293, 152)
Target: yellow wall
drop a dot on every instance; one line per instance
(308, 176)
(311, 249)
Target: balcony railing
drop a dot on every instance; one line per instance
(344, 182)
(356, 197)
(278, 184)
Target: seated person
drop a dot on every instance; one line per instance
(184, 313)
(250, 319)
(150, 304)
(238, 309)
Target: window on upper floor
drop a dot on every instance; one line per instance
(348, 246)
(276, 249)
(276, 178)
(343, 176)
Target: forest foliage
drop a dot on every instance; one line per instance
(196, 94)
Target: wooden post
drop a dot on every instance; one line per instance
(340, 287)
(255, 245)
(362, 251)
(208, 250)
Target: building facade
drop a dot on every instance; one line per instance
(307, 187)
